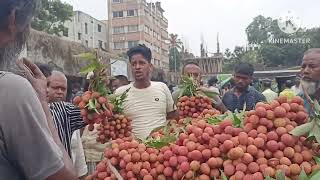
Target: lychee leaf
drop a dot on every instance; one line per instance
(316, 131)
(315, 175)
(316, 159)
(303, 175)
(302, 129)
(269, 178)
(280, 175)
(223, 176)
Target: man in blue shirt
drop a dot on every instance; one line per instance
(242, 94)
(310, 71)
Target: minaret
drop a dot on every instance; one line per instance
(218, 44)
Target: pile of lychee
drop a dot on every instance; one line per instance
(263, 147)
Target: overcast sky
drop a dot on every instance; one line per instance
(192, 18)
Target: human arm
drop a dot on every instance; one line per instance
(78, 154)
(29, 142)
(171, 108)
(39, 83)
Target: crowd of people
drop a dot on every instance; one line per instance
(44, 137)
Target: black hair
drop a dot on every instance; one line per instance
(267, 84)
(76, 85)
(244, 68)
(213, 80)
(122, 78)
(45, 69)
(288, 84)
(140, 49)
(24, 11)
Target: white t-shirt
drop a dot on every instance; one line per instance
(148, 107)
(77, 153)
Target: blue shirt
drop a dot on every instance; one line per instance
(306, 103)
(249, 98)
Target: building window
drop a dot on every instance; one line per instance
(146, 29)
(133, 28)
(117, 14)
(118, 45)
(99, 28)
(79, 36)
(65, 32)
(132, 44)
(132, 12)
(118, 30)
(116, 1)
(87, 43)
(100, 43)
(86, 28)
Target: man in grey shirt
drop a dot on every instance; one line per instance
(29, 144)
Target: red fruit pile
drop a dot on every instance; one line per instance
(115, 127)
(193, 106)
(94, 108)
(261, 148)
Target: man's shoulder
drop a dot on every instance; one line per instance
(158, 84)
(122, 89)
(15, 83)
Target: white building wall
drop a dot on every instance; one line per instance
(84, 29)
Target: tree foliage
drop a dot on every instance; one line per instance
(175, 53)
(259, 33)
(52, 16)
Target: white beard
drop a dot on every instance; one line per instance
(311, 87)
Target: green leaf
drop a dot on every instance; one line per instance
(269, 178)
(91, 67)
(223, 176)
(87, 56)
(317, 159)
(236, 121)
(213, 120)
(315, 175)
(210, 94)
(303, 175)
(91, 105)
(316, 131)
(316, 105)
(280, 175)
(302, 129)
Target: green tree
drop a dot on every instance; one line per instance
(52, 16)
(174, 53)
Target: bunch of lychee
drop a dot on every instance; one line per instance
(193, 106)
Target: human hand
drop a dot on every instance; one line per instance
(35, 77)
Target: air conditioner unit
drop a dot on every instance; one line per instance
(123, 38)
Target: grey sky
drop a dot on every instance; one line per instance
(191, 18)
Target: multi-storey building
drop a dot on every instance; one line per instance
(133, 22)
(87, 30)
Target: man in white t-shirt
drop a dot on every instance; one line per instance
(149, 104)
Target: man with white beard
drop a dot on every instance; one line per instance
(30, 147)
(310, 71)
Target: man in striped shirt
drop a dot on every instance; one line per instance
(66, 116)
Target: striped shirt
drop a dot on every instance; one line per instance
(67, 119)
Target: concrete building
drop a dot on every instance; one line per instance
(87, 30)
(133, 22)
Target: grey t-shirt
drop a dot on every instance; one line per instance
(27, 149)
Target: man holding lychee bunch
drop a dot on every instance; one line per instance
(193, 70)
(148, 104)
(310, 81)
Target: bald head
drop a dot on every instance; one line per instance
(192, 70)
(57, 87)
